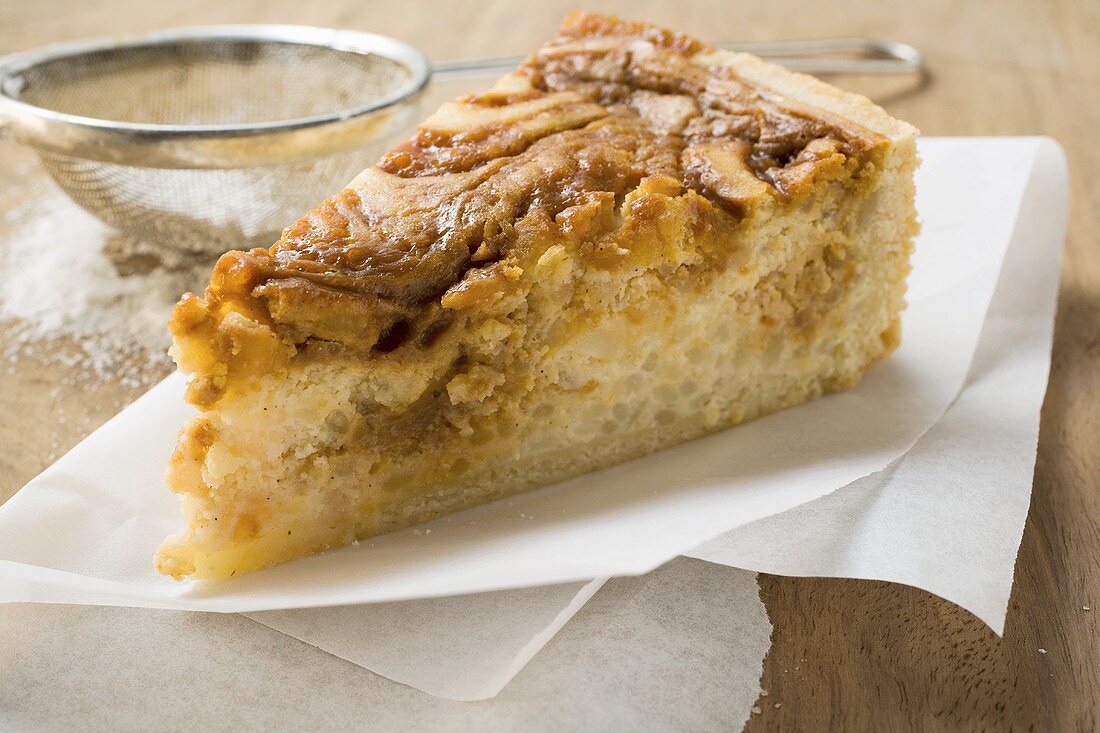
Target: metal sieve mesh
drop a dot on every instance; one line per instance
(203, 209)
(205, 142)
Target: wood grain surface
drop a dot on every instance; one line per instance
(846, 655)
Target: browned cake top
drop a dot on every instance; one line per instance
(603, 107)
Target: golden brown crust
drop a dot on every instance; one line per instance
(605, 112)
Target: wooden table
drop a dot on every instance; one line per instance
(846, 655)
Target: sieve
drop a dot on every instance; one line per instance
(216, 137)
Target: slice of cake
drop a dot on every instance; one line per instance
(630, 242)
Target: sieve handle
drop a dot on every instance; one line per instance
(820, 56)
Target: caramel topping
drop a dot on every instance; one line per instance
(602, 108)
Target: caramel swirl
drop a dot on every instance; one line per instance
(603, 107)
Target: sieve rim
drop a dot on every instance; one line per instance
(212, 145)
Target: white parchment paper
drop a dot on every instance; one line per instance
(678, 649)
(486, 637)
(84, 530)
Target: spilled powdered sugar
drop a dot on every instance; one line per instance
(73, 291)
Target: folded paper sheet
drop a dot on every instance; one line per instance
(623, 663)
(459, 647)
(83, 531)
